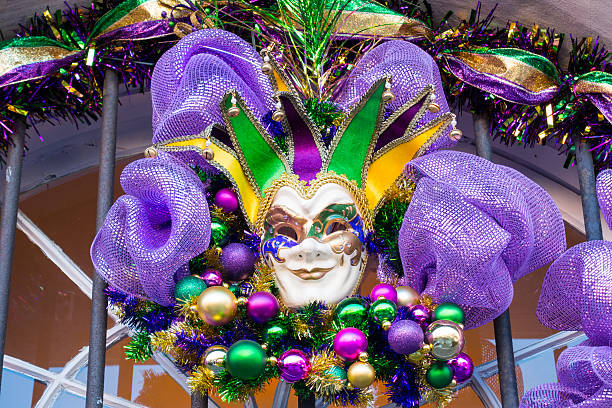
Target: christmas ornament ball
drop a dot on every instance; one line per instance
(405, 337)
(349, 343)
(262, 307)
(383, 310)
(245, 360)
(420, 314)
(463, 367)
(439, 374)
(406, 296)
(385, 291)
(188, 287)
(338, 372)
(219, 233)
(238, 262)
(361, 374)
(449, 311)
(274, 334)
(212, 277)
(446, 339)
(226, 199)
(293, 366)
(351, 312)
(214, 358)
(217, 305)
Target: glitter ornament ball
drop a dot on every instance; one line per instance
(188, 287)
(405, 337)
(238, 262)
(463, 367)
(446, 339)
(226, 199)
(449, 311)
(349, 343)
(217, 306)
(214, 358)
(406, 296)
(351, 312)
(383, 310)
(212, 277)
(385, 291)
(421, 315)
(245, 360)
(361, 374)
(219, 233)
(293, 366)
(262, 307)
(439, 374)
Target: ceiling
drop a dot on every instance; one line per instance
(577, 17)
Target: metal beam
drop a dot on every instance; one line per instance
(588, 194)
(199, 400)
(8, 224)
(503, 332)
(97, 334)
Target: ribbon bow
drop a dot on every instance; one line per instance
(577, 295)
(472, 229)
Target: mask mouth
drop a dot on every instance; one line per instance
(311, 274)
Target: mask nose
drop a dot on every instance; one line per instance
(309, 251)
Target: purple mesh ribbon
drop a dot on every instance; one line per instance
(190, 80)
(577, 295)
(411, 69)
(472, 229)
(604, 194)
(150, 234)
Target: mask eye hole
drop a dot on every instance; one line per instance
(334, 226)
(287, 231)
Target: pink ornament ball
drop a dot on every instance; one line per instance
(349, 343)
(293, 366)
(385, 291)
(212, 277)
(262, 307)
(420, 314)
(463, 367)
(226, 199)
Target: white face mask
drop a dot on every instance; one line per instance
(315, 246)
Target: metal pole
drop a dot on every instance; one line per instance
(501, 325)
(8, 224)
(307, 402)
(590, 206)
(199, 400)
(97, 333)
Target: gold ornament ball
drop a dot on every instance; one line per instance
(446, 339)
(406, 296)
(361, 375)
(214, 358)
(272, 360)
(217, 305)
(363, 357)
(386, 325)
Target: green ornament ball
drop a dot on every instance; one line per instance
(351, 312)
(338, 372)
(449, 311)
(439, 374)
(219, 232)
(188, 287)
(245, 360)
(274, 334)
(383, 310)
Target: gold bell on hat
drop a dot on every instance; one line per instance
(279, 113)
(266, 67)
(234, 110)
(456, 134)
(387, 95)
(150, 153)
(208, 153)
(433, 107)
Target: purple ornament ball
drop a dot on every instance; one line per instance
(293, 366)
(463, 367)
(385, 291)
(262, 307)
(405, 337)
(212, 277)
(349, 343)
(238, 262)
(226, 199)
(420, 314)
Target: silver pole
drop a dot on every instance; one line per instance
(8, 224)
(501, 325)
(97, 334)
(590, 206)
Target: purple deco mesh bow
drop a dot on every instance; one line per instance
(577, 295)
(472, 229)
